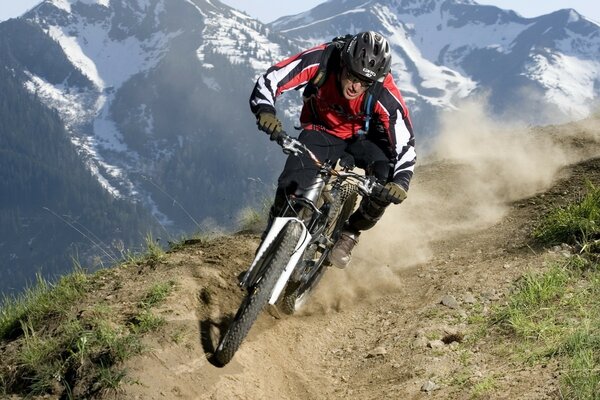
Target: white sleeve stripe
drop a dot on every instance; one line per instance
(403, 135)
(408, 157)
(406, 151)
(266, 96)
(278, 75)
(268, 90)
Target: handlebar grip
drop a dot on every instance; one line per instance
(378, 191)
(280, 138)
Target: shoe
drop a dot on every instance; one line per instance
(340, 254)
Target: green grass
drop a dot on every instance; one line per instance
(57, 342)
(154, 252)
(555, 314)
(110, 378)
(581, 348)
(145, 320)
(552, 314)
(254, 220)
(483, 388)
(157, 294)
(152, 255)
(40, 301)
(577, 223)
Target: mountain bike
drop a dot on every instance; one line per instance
(292, 257)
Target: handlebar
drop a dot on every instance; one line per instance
(291, 145)
(367, 185)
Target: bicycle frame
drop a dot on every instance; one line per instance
(297, 242)
(307, 200)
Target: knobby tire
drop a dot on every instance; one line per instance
(276, 258)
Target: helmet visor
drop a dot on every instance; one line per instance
(352, 77)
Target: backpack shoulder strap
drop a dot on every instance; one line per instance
(370, 100)
(325, 65)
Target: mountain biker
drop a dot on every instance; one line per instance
(333, 120)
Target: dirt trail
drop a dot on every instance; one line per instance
(370, 330)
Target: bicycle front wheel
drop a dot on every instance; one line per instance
(273, 263)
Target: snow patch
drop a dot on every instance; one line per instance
(104, 3)
(239, 41)
(105, 62)
(75, 110)
(447, 84)
(432, 36)
(211, 83)
(62, 4)
(569, 81)
(73, 106)
(310, 22)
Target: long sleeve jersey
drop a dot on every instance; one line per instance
(328, 110)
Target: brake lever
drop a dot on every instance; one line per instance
(290, 145)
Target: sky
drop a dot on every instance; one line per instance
(269, 10)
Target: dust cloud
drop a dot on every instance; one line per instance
(476, 167)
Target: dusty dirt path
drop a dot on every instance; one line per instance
(378, 329)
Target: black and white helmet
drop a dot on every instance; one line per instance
(367, 55)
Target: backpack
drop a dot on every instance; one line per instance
(329, 62)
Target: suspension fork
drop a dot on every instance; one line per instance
(311, 198)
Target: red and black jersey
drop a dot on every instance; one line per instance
(328, 110)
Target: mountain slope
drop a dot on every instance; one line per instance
(369, 331)
(49, 201)
(132, 90)
(163, 113)
(163, 122)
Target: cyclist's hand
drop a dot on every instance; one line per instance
(269, 123)
(393, 192)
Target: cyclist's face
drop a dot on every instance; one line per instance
(352, 85)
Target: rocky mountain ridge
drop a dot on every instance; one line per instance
(444, 51)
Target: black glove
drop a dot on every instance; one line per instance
(269, 123)
(347, 161)
(393, 192)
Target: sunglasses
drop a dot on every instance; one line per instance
(347, 74)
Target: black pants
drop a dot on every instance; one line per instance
(300, 171)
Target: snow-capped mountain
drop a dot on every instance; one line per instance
(541, 70)
(164, 101)
(161, 71)
(162, 98)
